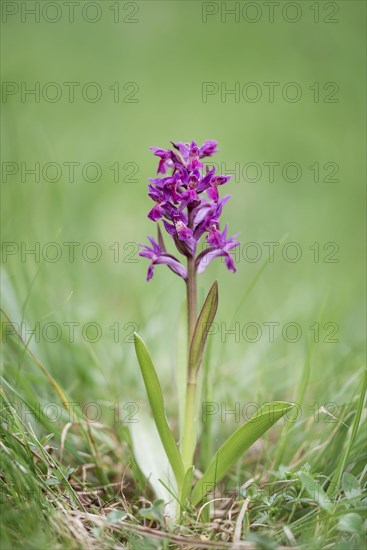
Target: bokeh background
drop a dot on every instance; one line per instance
(160, 53)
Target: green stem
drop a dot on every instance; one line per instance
(191, 290)
(189, 431)
(191, 301)
(189, 435)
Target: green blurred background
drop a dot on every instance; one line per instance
(168, 53)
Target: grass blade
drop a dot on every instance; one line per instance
(253, 282)
(232, 450)
(300, 395)
(50, 378)
(155, 397)
(335, 482)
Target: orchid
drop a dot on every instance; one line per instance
(187, 202)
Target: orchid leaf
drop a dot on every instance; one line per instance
(202, 327)
(232, 450)
(152, 460)
(155, 396)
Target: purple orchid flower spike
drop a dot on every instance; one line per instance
(188, 203)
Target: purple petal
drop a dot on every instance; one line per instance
(173, 264)
(162, 166)
(208, 256)
(183, 232)
(159, 152)
(171, 230)
(184, 148)
(221, 180)
(156, 248)
(150, 272)
(208, 148)
(230, 262)
(147, 253)
(205, 182)
(215, 237)
(155, 213)
(213, 193)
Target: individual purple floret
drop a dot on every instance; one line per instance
(187, 201)
(219, 246)
(158, 256)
